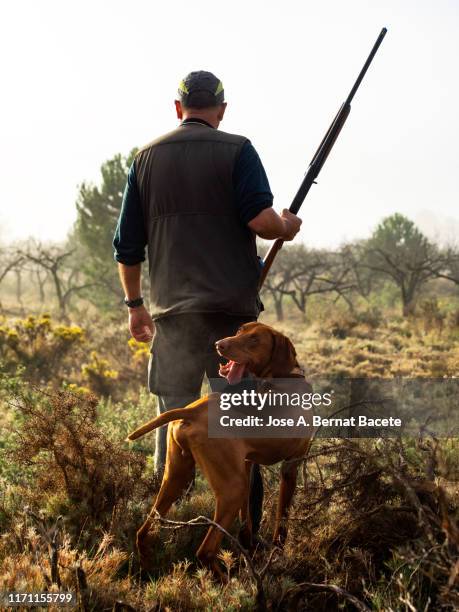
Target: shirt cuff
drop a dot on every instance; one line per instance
(129, 260)
(251, 211)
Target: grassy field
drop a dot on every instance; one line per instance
(374, 524)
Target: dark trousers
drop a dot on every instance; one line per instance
(182, 353)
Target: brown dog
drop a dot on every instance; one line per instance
(263, 352)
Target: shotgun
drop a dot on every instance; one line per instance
(320, 156)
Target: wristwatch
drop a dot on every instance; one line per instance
(134, 303)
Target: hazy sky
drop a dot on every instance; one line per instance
(84, 80)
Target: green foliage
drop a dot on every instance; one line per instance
(118, 419)
(399, 250)
(400, 237)
(98, 209)
(99, 374)
(42, 347)
(100, 360)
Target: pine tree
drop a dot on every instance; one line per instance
(98, 209)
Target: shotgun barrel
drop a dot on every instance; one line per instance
(320, 156)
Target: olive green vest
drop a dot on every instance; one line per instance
(202, 258)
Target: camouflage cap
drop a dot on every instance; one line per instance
(201, 81)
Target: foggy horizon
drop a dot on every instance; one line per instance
(84, 83)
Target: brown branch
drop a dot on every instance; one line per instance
(339, 591)
(204, 520)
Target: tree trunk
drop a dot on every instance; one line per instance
(279, 307)
(357, 394)
(19, 291)
(41, 287)
(409, 305)
(303, 307)
(300, 303)
(19, 286)
(60, 297)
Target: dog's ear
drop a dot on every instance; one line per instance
(283, 356)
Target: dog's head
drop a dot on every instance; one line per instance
(256, 349)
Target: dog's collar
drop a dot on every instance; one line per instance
(297, 372)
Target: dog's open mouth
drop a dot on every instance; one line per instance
(232, 371)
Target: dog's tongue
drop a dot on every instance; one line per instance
(235, 372)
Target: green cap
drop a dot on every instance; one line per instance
(200, 86)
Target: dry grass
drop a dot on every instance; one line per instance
(368, 345)
(373, 520)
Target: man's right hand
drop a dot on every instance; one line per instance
(292, 225)
(141, 324)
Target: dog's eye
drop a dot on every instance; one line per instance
(253, 340)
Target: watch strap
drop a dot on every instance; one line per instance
(134, 303)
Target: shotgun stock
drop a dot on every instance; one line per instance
(320, 156)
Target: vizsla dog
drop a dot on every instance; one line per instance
(259, 351)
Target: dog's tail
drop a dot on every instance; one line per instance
(164, 418)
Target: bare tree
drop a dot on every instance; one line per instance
(273, 286)
(18, 273)
(447, 265)
(38, 277)
(65, 277)
(308, 269)
(300, 273)
(280, 276)
(364, 280)
(11, 261)
(41, 277)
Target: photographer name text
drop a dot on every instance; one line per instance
(312, 421)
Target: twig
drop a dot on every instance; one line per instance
(268, 562)
(51, 538)
(329, 493)
(204, 520)
(339, 591)
(414, 499)
(82, 587)
(121, 606)
(306, 456)
(408, 604)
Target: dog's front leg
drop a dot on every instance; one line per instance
(226, 511)
(287, 488)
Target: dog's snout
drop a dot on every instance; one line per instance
(221, 345)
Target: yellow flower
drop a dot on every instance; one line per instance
(74, 388)
(140, 350)
(98, 367)
(71, 333)
(110, 374)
